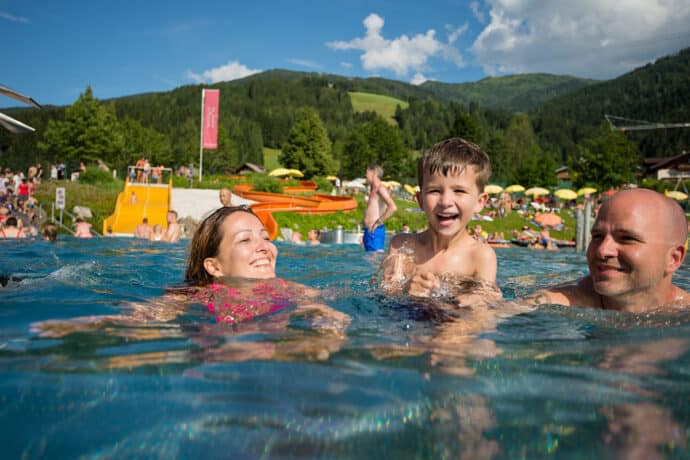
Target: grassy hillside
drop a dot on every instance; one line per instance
(383, 105)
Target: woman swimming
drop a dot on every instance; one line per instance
(231, 271)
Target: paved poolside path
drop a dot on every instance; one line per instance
(198, 203)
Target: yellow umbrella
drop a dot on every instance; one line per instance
(676, 195)
(565, 194)
(278, 172)
(536, 191)
(333, 178)
(410, 189)
(391, 184)
(515, 188)
(586, 191)
(492, 189)
(295, 173)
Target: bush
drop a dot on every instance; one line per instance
(263, 183)
(96, 176)
(323, 183)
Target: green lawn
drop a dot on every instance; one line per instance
(383, 105)
(271, 158)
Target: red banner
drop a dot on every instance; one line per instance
(209, 131)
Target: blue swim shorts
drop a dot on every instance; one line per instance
(374, 241)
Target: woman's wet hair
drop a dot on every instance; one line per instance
(206, 243)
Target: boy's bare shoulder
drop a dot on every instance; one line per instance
(404, 239)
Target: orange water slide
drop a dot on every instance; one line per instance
(266, 203)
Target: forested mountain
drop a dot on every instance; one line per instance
(263, 110)
(658, 92)
(516, 93)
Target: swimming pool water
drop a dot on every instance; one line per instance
(552, 383)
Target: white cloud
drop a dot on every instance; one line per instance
(586, 38)
(400, 55)
(305, 63)
(230, 71)
(13, 18)
(347, 65)
(418, 79)
(477, 12)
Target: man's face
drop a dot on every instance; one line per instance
(225, 197)
(628, 255)
(450, 201)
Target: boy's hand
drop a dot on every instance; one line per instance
(423, 283)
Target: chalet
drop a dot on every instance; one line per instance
(668, 168)
(249, 168)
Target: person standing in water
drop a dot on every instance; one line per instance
(380, 206)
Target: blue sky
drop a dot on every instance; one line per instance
(53, 49)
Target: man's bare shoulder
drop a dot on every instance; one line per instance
(577, 294)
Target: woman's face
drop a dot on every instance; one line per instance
(246, 250)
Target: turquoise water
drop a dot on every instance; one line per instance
(551, 383)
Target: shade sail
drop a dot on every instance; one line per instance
(14, 126)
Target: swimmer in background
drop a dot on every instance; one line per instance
(83, 229)
(157, 234)
(143, 230)
(11, 229)
(452, 175)
(50, 232)
(174, 231)
(313, 236)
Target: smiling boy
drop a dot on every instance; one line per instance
(451, 175)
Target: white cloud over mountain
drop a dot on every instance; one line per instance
(585, 38)
(403, 54)
(230, 71)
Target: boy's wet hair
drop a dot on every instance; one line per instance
(452, 156)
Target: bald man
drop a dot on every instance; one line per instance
(225, 197)
(638, 242)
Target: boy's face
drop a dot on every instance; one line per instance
(450, 201)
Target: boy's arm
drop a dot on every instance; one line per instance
(485, 264)
(398, 265)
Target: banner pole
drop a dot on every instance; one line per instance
(201, 137)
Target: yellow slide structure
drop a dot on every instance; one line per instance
(137, 201)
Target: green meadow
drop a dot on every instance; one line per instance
(383, 105)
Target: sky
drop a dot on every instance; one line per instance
(54, 49)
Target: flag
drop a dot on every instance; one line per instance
(209, 131)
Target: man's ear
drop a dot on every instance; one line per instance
(213, 267)
(676, 257)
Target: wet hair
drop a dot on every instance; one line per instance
(11, 221)
(206, 243)
(50, 231)
(452, 156)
